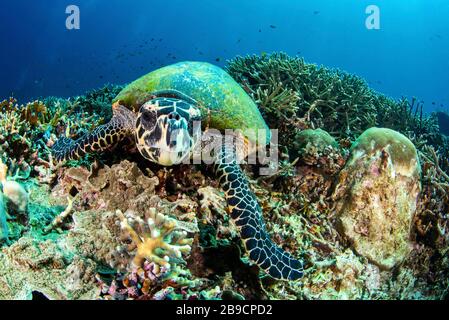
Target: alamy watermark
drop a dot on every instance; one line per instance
(248, 146)
(73, 21)
(372, 22)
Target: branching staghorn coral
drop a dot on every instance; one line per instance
(338, 102)
(98, 101)
(16, 146)
(28, 131)
(294, 94)
(72, 121)
(432, 219)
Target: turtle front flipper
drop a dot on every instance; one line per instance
(247, 214)
(121, 125)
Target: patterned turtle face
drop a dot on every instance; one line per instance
(167, 130)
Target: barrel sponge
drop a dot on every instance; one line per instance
(402, 151)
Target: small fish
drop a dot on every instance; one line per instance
(433, 103)
(218, 59)
(316, 12)
(272, 26)
(260, 30)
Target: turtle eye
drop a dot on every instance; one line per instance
(148, 117)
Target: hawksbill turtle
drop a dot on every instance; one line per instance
(159, 111)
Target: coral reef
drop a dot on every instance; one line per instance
(318, 138)
(288, 90)
(345, 201)
(294, 94)
(98, 101)
(431, 223)
(28, 131)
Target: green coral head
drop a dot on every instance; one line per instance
(317, 137)
(223, 102)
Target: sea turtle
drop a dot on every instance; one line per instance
(159, 111)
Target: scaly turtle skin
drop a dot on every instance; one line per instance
(161, 110)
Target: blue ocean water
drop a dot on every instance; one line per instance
(120, 40)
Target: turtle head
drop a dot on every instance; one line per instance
(167, 130)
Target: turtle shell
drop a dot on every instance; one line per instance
(224, 104)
